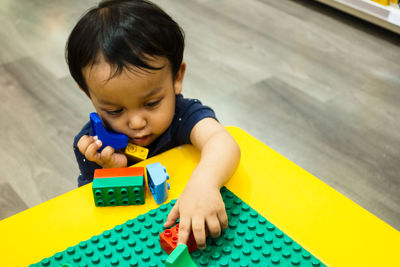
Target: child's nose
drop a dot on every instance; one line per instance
(137, 122)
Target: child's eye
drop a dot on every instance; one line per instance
(152, 104)
(114, 112)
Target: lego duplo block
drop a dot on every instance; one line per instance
(109, 138)
(180, 257)
(136, 153)
(249, 240)
(157, 177)
(169, 240)
(118, 191)
(134, 243)
(118, 172)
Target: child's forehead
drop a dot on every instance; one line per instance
(103, 71)
(133, 83)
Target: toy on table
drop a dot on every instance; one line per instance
(169, 240)
(249, 240)
(180, 257)
(119, 186)
(136, 153)
(116, 140)
(157, 177)
(126, 186)
(118, 172)
(109, 138)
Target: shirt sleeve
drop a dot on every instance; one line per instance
(192, 111)
(86, 167)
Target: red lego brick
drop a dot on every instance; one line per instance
(169, 240)
(118, 172)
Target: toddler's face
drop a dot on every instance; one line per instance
(137, 103)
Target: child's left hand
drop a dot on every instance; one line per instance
(201, 210)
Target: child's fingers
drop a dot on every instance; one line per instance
(184, 230)
(119, 160)
(213, 226)
(106, 154)
(84, 142)
(172, 216)
(199, 231)
(92, 151)
(223, 219)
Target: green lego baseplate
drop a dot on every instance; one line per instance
(249, 240)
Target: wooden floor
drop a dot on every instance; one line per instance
(317, 85)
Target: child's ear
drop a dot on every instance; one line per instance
(178, 80)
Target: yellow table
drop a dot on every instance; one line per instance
(330, 226)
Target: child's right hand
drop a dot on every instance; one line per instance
(89, 146)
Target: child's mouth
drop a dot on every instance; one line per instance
(142, 141)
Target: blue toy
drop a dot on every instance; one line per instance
(157, 177)
(109, 138)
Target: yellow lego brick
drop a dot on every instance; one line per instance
(394, 1)
(135, 152)
(382, 2)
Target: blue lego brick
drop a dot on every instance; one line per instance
(180, 257)
(109, 138)
(249, 240)
(157, 177)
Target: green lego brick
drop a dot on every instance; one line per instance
(180, 257)
(119, 181)
(118, 191)
(249, 240)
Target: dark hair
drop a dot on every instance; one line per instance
(126, 33)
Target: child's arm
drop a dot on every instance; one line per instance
(200, 206)
(107, 158)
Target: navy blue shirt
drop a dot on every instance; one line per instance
(188, 112)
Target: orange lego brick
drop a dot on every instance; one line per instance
(119, 172)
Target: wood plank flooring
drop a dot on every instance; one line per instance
(317, 85)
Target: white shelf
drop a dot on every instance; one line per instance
(384, 16)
